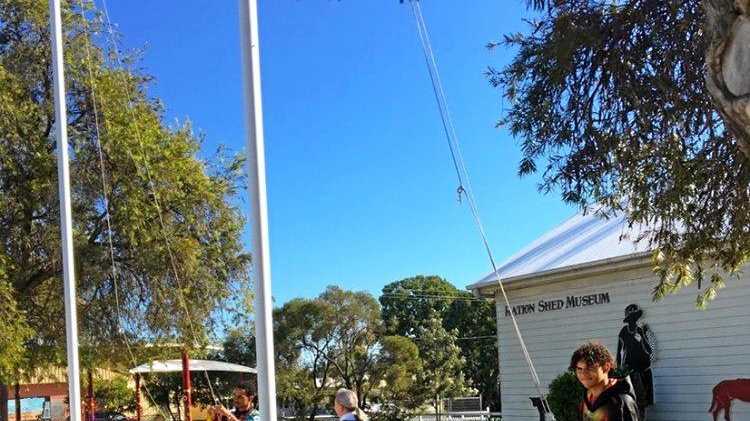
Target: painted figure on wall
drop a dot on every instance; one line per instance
(636, 350)
(725, 392)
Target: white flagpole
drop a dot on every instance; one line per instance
(66, 224)
(258, 205)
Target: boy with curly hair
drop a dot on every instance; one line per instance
(244, 397)
(606, 398)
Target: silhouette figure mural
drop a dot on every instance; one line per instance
(725, 392)
(636, 348)
(541, 406)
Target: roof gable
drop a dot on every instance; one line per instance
(582, 239)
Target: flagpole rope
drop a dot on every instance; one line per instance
(464, 183)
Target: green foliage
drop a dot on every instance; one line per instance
(409, 304)
(175, 231)
(164, 392)
(338, 340)
(358, 328)
(476, 320)
(442, 363)
(304, 341)
(113, 395)
(14, 333)
(400, 368)
(294, 390)
(565, 394)
(611, 106)
(333, 339)
(238, 348)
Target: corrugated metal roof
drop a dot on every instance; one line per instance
(582, 239)
(168, 366)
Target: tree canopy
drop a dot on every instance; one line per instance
(401, 368)
(625, 106)
(338, 339)
(334, 338)
(442, 365)
(15, 331)
(176, 233)
(477, 340)
(409, 305)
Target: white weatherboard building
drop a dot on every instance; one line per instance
(573, 285)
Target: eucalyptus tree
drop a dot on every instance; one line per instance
(642, 107)
(175, 266)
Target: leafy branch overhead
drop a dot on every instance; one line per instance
(642, 107)
(176, 233)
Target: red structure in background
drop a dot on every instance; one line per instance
(55, 393)
(39, 390)
(183, 365)
(186, 385)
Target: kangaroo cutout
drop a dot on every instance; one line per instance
(725, 392)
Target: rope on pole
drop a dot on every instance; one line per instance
(464, 181)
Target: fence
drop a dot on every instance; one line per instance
(445, 416)
(462, 404)
(459, 416)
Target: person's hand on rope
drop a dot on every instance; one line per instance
(219, 412)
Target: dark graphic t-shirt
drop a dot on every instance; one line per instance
(598, 415)
(617, 403)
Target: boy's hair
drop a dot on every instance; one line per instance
(247, 388)
(593, 354)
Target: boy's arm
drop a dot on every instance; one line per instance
(226, 415)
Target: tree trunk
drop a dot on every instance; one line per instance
(18, 402)
(4, 402)
(90, 406)
(312, 413)
(168, 409)
(359, 395)
(728, 65)
(178, 403)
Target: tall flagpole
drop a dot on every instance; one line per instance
(258, 205)
(66, 224)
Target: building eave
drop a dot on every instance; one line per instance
(487, 289)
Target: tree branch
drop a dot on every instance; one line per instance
(37, 279)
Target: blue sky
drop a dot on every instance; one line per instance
(361, 186)
(28, 405)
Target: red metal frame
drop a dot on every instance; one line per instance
(186, 385)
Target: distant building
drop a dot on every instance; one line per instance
(52, 389)
(575, 283)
